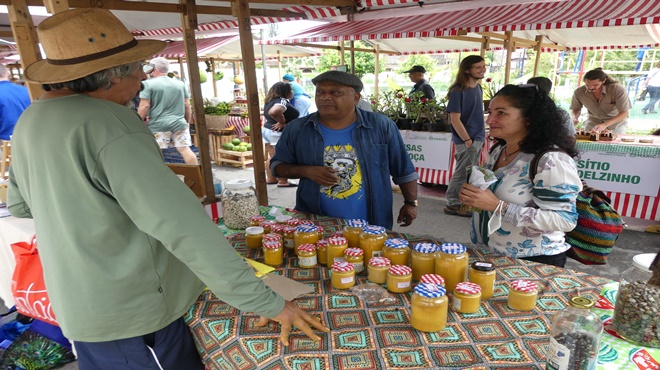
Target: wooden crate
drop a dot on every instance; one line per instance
(231, 157)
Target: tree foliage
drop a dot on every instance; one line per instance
(364, 62)
(426, 61)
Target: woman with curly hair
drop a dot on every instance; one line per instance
(278, 111)
(519, 216)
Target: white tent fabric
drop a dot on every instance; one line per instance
(575, 24)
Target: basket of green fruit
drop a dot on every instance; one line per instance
(216, 115)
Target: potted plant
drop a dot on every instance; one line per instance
(436, 113)
(490, 88)
(414, 107)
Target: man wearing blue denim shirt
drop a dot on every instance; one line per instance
(345, 157)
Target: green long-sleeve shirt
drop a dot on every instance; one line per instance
(124, 244)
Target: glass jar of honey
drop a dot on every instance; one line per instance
(321, 231)
(336, 247)
(432, 279)
(272, 237)
(377, 269)
(399, 278)
(282, 219)
(341, 233)
(422, 259)
(322, 252)
(397, 250)
(277, 229)
(272, 252)
(307, 256)
(287, 236)
(483, 273)
(372, 241)
(343, 275)
(522, 295)
(356, 257)
(253, 236)
(352, 231)
(467, 297)
(256, 220)
(305, 234)
(266, 225)
(451, 263)
(429, 308)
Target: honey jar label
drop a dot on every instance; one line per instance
(456, 303)
(307, 261)
(347, 280)
(403, 284)
(359, 267)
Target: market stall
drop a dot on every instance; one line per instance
(366, 336)
(620, 169)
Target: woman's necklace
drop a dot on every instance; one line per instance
(505, 155)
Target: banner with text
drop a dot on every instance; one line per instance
(428, 149)
(620, 172)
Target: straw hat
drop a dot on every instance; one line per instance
(81, 42)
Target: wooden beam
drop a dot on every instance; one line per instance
(242, 12)
(335, 3)
(188, 23)
(27, 43)
(279, 65)
(537, 59)
(215, 84)
(321, 46)
(376, 70)
(342, 60)
(485, 44)
(6, 34)
(508, 46)
(56, 6)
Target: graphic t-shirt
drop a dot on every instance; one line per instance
(347, 199)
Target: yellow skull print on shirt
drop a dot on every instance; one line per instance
(344, 160)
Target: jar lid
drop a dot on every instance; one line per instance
(306, 248)
(523, 285)
(426, 247)
(272, 244)
(257, 218)
(293, 222)
(396, 243)
(373, 230)
(283, 218)
(307, 228)
(320, 229)
(483, 266)
(581, 302)
(289, 229)
(353, 252)
(238, 184)
(254, 230)
(452, 248)
(338, 233)
(342, 266)
(400, 270)
(430, 290)
(379, 261)
(468, 288)
(337, 240)
(305, 222)
(277, 228)
(272, 237)
(267, 223)
(356, 222)
(322, 243)
(432, 279)
(643, 261)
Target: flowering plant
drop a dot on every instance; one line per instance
(490, 88)
(389, 103)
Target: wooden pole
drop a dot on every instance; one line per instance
(485, 44)
(215, 83)
(352, 57)
(279, 64)
(538, 47)
(189, 23)
(508, 45)
(241, 10)
(25, 35)
(376, 69)
(342, 60)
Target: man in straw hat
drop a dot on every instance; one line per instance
(120, 266)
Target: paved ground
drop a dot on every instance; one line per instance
(433, 222)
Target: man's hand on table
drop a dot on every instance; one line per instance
(291, 316)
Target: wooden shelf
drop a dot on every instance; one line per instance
(234, 158)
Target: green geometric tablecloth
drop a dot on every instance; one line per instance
(616, 353)
(371, 337)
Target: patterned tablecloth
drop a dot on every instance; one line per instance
(373, 337)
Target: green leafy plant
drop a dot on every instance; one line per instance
(490, 88)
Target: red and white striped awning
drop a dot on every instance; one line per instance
(433, 21)
(177, 49)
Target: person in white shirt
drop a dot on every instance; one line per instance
(652, 84)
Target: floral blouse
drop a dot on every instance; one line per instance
(539, 211)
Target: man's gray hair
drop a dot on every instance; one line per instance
(96, 81)
(161, 64)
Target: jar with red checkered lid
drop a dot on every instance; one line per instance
(336, 247)
(307, 256)
(287, 236)
(322, 252)
(377, 269)
(356, 257)
(266, 224)
(293, 222)
(273, 252)
(256, 220)
(522, 295)
(272, 237)
(399, 278)
(432, 279)
(343, 275)
(467, 297)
